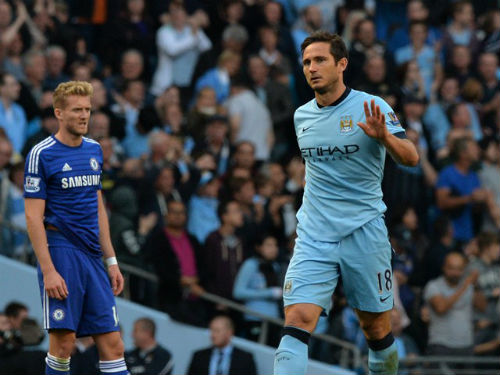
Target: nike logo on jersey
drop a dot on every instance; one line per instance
(384, 299)
(66, 168)
(304, 129)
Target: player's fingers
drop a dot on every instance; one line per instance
(119, 285)
(377, 112)
(114, 283)
(367, 110)
(372, 106)
(383, 118)
(60, 290)
(64, 289)
(55, 293)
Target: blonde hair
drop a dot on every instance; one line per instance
(63, 90)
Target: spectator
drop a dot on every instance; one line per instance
(450, 299)
(128, 238)
(56, 62)
(16, 312)
(366, 46)
(490, 103)
(440, 247)
(250, 119)
(222, 357)
(375, 80)
(100, 103)
(258, 285)
(460, 63)
(458, 189)
(224, 252)
(177, 259)
(202, 217)
(412, 83)
(487, 292)
(35, 68)
(406, 346)
(219, 78)
(244, 156)
(461, 28)
(463, 116)
(179, 44)
(205, 106)
(427, 59)
(12, 115)
(148, 357)
(416, 10)
(489, 175)
(131, 69)
(311, 20)
(269, 52)
(278, 101)
(49, 126)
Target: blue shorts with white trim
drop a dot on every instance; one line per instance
(90, 306)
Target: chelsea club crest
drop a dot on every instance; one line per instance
(345, 124)
(94, 164)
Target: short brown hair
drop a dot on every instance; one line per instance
(337, 45)
(485, 240)
(63, 90)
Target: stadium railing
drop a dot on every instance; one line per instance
(350, 355)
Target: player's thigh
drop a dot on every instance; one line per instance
(303, 315)
(61, 342)
(99, 314)
(64, 314)
(375, 326)
(366, 268)
(109, 345)
(312, 274)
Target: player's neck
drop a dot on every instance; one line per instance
(68, 139)
(330, 96)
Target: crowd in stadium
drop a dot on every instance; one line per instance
(193, 107)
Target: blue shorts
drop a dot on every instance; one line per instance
(363, 258)
(90, 306)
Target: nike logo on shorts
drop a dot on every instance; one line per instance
(384, 299)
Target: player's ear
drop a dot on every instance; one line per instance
(58, 113)
(343, 63)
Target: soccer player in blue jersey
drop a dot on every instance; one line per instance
(69, 230)
(343, 135)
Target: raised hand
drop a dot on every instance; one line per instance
(375, 122)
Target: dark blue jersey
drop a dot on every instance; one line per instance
(67, 178)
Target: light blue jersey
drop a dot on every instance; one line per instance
(344, 166)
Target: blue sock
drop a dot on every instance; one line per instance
(115, 367)
(56, 366)
(291, 355)
(383, 361)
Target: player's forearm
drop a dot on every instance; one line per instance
(38, 237)
(401, 150)
(104, 236)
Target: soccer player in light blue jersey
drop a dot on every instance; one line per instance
(68, 227)
(343, 135)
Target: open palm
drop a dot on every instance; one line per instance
(375, 122)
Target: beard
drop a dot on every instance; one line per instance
(76, 130)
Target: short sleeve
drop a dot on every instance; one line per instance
(431, 290)
(35, 181)
(444, 180)
(391, 120)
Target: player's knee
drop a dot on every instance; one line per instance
(374, 330)
(63, 347)
(115, 348)
(301, 318)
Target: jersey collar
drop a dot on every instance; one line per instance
(339, 100)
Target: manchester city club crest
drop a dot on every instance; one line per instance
(94, 164)
(345, 124)
(288, 287)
